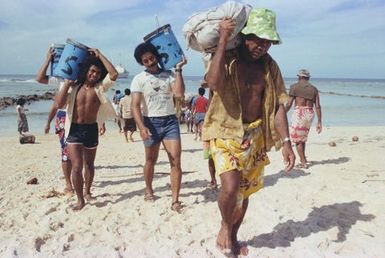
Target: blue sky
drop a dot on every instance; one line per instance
(331, 38)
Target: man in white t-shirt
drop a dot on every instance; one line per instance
(60, 114)
(155, 89)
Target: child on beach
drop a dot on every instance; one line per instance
(206, 146)
(207, 155)
(22, 123)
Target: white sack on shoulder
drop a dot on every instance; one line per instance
(202, 29)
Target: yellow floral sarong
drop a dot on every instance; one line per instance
(249, 157)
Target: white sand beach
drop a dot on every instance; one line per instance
(335, 208)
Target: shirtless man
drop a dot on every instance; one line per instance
(246, 118)
(84, 99)
(305, 96)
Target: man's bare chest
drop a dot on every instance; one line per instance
(87, 96)
(251, 81)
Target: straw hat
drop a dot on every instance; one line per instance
(303, 73)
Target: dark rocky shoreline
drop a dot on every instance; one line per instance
(10, 101)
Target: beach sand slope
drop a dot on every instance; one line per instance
(335, 208)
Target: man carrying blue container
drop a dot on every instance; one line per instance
(87, 108)
(158, 122)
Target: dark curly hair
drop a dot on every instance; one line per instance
(143, 48)
(21, 101)
(201, 91)
(85, 66)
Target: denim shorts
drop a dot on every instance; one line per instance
(199, 117)
(161, 128)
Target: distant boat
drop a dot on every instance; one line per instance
(122, 72)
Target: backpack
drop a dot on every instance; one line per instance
(201, 30)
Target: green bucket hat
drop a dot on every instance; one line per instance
(261, 22)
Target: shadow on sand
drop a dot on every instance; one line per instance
(271, 180)
(132, 166)
(128, 180)
(209, 194)
(340, 215)
(193, 150)
(117, 167)
(139, 178)
(129, 195)
(339, 160)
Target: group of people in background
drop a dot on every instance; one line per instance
(243, 119)
(193, 112)
(124, 118)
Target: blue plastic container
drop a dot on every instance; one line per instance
(71, 59)
(167, 46)
(58, 50)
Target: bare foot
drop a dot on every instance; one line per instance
(69, 192)
(302, 165)
(177, 206)
(240, 248)
(79, 206)
(53, 193)
(149, 197)
(212, 185)
(89, 197)
(224, 239)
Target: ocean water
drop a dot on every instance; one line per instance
(345, 102)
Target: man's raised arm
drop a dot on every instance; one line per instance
(107, 64)
(41, 76)
(215, 76)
